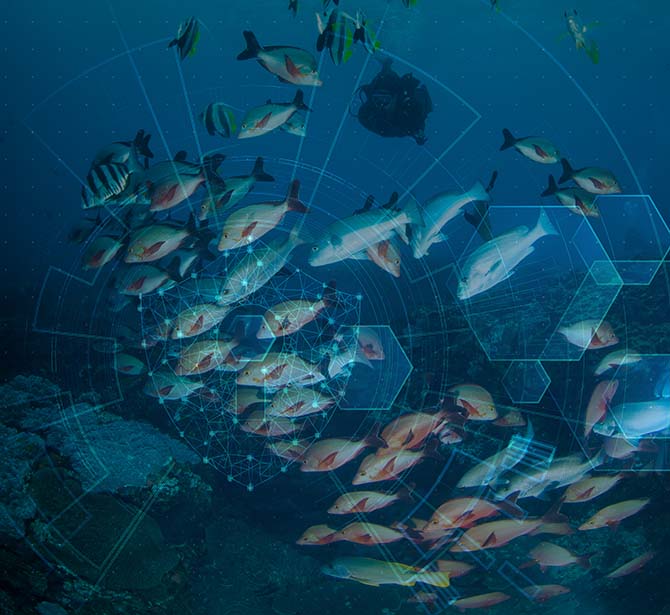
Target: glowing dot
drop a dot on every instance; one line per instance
(230, 478)
(250, 457)
(294, 442)
(359, 297)
(181, 434)
(250, 487)
(236, 421)
(211, 434)
(317, 434)
(205, 459)
(284, 468)
(331, 321)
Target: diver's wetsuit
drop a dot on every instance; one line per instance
(394, 106)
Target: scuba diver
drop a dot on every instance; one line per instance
(395, 106)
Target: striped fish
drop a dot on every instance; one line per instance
(218, 119)
(188, 36)
(103, 183)
(337, 36)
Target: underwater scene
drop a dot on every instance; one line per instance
(317, 307)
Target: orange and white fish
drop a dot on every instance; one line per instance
(476, 400)
(291, 450)
(375, 572)
(465, 512)
(411, 430)
(364, 533)
(590, 334)
(100, 251)
(386, 256)
(559, 528)
(632, 566)
(617, 359)
(332, 453)
(167, 385)
(389, 464)
(259, 423)
(542, 593)
(618, 447)
(496, 534)
(481, 601)
(128, 365)
(318, 535)
(600, 400)
(454, 567)
(612, 515)
(290, 316)
(204, 356)
(299, 401)
(590, 488)
(370, 344)
(356, 502)
(250, 223)
(197, 319)
(279, 369)
(513, 418)
(245, 397)
(547, 554)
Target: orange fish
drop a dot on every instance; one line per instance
(600, 400)
(611, 516)
(632, 566)
(476, 400)
(542, 593)
(590, 488)
(332, 453)
(411, 430)
(482, 601)
(454, 567)
(547, 554)
(369, 534)
(271, 426)
(465, 512)
(388, 464)
(366, 501)
(318, 535)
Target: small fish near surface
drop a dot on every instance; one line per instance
(153, 242)
(252, 222)
(495, 261)
(279, 369)
(270, 116)
(363, 502)
(591, 179)
(289, 64)
(577, 31)
(576, 199)
(332, 453)
(187, 38)
(197, 319)
(611, 516)
(218, 119)
(537, 149)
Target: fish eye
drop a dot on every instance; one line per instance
(315, 248)
(396, 261)
(225, 235)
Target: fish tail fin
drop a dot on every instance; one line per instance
(374, 439)
(585, 560)
(330, 294)
(554, 514)
(259, 173)
(292, 200)
(299, 236)
(510, 507)
(508, 140)
(552, 187)
(492, 182)
(436, 579)
(593, 52)
(568, 171)
(299, 101)
(478, 192)
(544, 226)
(431, 450)
(253, 46)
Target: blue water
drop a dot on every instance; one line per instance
(77, 76)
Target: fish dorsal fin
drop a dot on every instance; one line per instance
(388, 467)
(360, 506)
(491, 540)
(408, 438)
